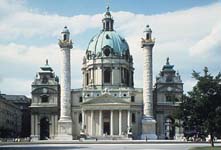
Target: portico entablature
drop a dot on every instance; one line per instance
(105, 107)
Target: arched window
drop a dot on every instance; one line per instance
(45, 80)
(107, 26)
(147, 36)
(87, 78)
(80, 118)
(107, 51)
(169, 128)
(133, 118)
(107, 75)
(65, 37)
(80, 99)
(44, 99)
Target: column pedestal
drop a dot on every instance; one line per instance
(148, 128)
(64, 129)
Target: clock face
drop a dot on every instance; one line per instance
(45, 90)
(169, 88)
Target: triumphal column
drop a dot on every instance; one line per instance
(65, 121)
(148, 122)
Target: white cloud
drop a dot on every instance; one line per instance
(183, 35)
(17, 86)
(208, 45)
(188, 84)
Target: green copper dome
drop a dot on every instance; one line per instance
(107, 42)
(108, 39)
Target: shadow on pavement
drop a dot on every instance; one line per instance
(42, 148)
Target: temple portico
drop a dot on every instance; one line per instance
(106, 122)
(106, 119)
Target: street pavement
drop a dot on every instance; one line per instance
(180, 146)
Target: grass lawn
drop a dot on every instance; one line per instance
(207, 148)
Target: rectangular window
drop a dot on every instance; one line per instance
(133, 118)
(80, 118)
(107, 75)
(132, 98)
(44, 99)
(80, 99)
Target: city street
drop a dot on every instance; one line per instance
(103, 146)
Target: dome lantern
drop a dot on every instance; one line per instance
(108, 21)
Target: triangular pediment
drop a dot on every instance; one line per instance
(106, 99)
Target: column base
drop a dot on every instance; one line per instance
(130, 135)
(82, 135)
(179, 136)
(148, 128)
(64, 129)
(34, 138)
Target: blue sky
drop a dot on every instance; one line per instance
(76, 7)
(186, 31)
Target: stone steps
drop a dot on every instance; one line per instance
(108, 138)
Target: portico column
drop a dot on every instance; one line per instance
(120, 122)
(92, 120)
(83, 116)
(111, 118)
(128, 120)
(36, 125)
(32, 125)
(100, 123)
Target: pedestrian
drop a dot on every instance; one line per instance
(146, 138)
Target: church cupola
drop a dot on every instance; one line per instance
(108, 21)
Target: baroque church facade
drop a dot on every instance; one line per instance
(108, 106)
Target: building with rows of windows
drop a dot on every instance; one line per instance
(10, 119)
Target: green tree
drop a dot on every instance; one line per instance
(200, 110)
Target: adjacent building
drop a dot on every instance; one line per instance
(45, 104)
(10, 119)
(23, 103)
(168, 93)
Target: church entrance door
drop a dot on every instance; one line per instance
(44, 129)
(107, 128)
(106, 125)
